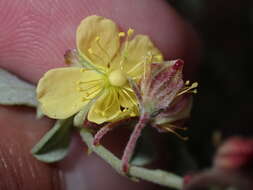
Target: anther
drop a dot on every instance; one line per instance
(78, 82)
(194, 85)
(125, 110)
(130, 32)
(122, 34)
(82, 70)
(158, 58)
(195, 91)
(78, 89)
(97, 38)
(189, 89)
(90, 51)
(175, 133)
(132, 114)
(149, 57)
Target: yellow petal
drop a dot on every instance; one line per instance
(138, 52)
(106, 108)
(58, 92)
(97, 40)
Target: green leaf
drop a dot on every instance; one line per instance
(144, 152)
(14, 91)
(54, 145)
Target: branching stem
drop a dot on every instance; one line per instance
(156, 176)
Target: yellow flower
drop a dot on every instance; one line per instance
(113, 57)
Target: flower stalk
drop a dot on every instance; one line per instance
(155, 176)
(144, 119)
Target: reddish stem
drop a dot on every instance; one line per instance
(108, 127)
(99, 135)
(144, 118)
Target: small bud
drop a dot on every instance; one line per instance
(164, 95)
(235, 154)
(71, 57)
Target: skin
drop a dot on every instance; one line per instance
(33, 38)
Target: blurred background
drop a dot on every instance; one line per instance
(223, 106)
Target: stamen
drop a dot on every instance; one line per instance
(195, 91)
(83, 90)
(78, 82)
(92, 84)
(95, 55)
(158, 58)
(145, 61)
(130, 98)
(122, 34)
(90, 51)
(87, 82)
(124, 56)
(136, 78)
(187, 82)
(87, 94)
(132, 114)
(97, 40)
(99, 87)
(135, 67)
(90, 93)
(130, 32)
(129, 89)
(109, 105)
(85, 99)
(78, 89)
(175, 133)
(148, 59)
(194, 85)
(175, 127)
(189, 89)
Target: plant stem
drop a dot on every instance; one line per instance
(156, 176)
(144, 118)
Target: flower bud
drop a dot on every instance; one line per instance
(164, 95)
(235, 154)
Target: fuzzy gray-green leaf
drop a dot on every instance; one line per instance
(54, 145)
(14, 91)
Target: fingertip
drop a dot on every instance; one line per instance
(39, 33)
(18, 168)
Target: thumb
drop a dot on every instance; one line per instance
(36, 35)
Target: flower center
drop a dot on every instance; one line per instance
(117, 78)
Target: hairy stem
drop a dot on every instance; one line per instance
(156, 176)
(144, 118)
(102, 132)
(108, 127)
